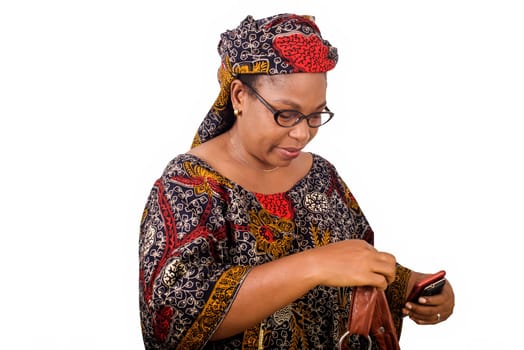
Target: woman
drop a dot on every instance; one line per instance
(248, 242)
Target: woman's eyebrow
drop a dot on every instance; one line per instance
(295, 105)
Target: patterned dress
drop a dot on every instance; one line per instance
(201, 234)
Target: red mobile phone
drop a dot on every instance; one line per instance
(430, 285)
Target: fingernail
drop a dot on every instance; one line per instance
(422, 300)
(408, 306)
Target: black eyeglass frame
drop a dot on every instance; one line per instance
(302, 116)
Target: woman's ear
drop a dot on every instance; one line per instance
(238, 94)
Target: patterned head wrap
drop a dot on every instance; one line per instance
(279, 44)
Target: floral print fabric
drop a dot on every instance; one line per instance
(201, 234)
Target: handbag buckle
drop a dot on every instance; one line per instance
(341, 340)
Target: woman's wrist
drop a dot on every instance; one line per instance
(310, 268)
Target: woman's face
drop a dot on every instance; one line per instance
(260, 138)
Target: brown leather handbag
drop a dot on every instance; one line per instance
(369, 316)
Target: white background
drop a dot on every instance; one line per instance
(97, 96)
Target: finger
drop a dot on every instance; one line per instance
(429, 316)
(424, 314)
(422, 311)
(377, 280)
(432, 319)
(431, 300)
(386, 265)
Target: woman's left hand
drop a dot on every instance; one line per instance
(432, 309)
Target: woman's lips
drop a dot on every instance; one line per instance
(290, 153)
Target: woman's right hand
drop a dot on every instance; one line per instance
(352, 263)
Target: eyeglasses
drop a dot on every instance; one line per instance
(288, 118)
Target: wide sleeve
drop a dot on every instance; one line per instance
(187, 281)
(396, 295)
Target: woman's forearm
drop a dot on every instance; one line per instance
(266, 289)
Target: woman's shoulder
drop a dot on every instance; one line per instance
(182, 165)
(321, 163)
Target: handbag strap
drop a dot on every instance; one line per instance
(369, 315)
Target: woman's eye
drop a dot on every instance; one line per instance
(290, 114)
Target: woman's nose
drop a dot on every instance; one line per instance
(301, 131)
